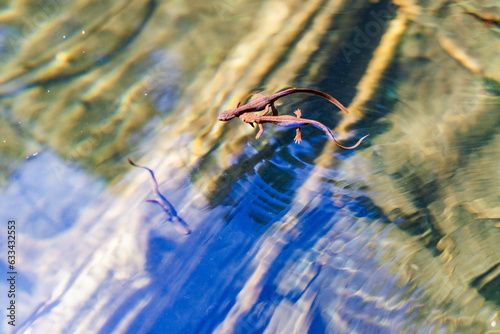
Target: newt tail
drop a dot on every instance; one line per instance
(318, 93)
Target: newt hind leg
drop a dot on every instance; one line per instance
(275, 111)
(266, 110)
(273, 108)
(298, 136)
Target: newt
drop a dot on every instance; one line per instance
(260, 102)
(180, 225)
(291, 121)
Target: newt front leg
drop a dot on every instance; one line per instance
(261, 131)
(266, 111)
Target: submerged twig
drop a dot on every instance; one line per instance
(168, 208)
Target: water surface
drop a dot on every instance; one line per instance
(398, 235)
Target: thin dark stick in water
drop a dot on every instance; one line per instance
(168, 208)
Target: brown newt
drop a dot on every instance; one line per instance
(260, 102)
(180, 225)
(291, 121)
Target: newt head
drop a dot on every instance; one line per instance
(226, 115)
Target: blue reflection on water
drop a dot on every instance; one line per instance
(46, 195)
(196, 285)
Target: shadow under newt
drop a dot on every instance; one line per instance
(179, 224)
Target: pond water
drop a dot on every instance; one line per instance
(401, 234)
